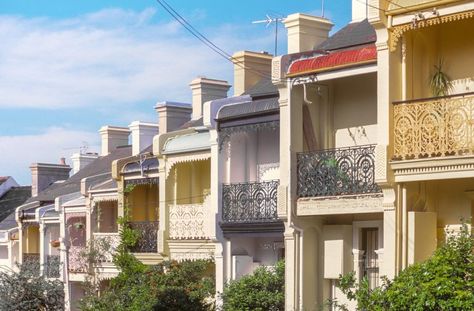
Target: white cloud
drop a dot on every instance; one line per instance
(109, 58)
(18, 152)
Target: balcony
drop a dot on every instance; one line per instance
(337, 172)
(433, 127)
(433, 138)
(250, 202)
(52, 266)
(338, 181)
(190, 221)
(31, 263)
(147, 236)
(78, 261)
(108, 242)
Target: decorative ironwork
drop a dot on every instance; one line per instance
(142, 181)
(52, 266)
(108, 242)
(250, 202)
(227, 132)
(434, 127)
(335, 172)
(147, 236)
(77, 259)
(189, 221)
(31, 263)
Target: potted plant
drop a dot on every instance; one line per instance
(440, 82)
(55, 243)
(78, 225)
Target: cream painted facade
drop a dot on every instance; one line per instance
(420, 151)
(424, 157)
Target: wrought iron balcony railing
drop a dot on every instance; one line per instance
(250, 202)
(336, 172)
(147, 236)
(78, 261)
(109, 242)
(190, 221)
(31, 263)
(433, 127)
(52, 266)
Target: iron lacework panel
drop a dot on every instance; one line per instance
(147, 236)
(250, 202)
(334, 172)
(52, 266)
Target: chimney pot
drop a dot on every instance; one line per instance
(44, 174)
(79, 161)
(203, 90)
(142, 135)
(249, 69)
(113, 137)
(305, 32)
(172, 115)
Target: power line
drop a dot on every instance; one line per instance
(205, 40)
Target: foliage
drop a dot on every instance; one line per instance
(440, 82)
(261, 291)
(27, 290)
(170, 285)
(443, 282)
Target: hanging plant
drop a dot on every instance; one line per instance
(440, 82)
(55, 243)
(78, 225)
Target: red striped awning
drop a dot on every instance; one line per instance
(333, 61)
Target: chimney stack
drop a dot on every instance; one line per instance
(305, 32)
(249, 69)
(203, 90)
(44, 174)
(142, 135)
(81, 160)
(171, 115)
(113, 137)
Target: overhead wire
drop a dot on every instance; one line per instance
(168, 8)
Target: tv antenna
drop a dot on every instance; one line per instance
(269, 20)
(82, 149)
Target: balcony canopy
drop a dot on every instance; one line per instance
(196, 141)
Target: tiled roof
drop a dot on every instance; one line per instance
(13, 198)
(335, 60)
(3, 179)
(354, 34)
(263, 87)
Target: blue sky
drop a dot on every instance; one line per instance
(69, 67)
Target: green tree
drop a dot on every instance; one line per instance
(171, 285)
(443, 282)
(27, 290)
(261, 291)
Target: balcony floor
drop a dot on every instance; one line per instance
(338, 205)
(449, 167)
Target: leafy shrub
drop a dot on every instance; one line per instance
(261, 291)
(443, 282)
(27, 290)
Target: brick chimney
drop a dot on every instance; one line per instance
(249, 68)
(306, 31)
(142, 135)
(44, 174)
(203, 90)
(81, 160)
(171, 115)
(113, 137)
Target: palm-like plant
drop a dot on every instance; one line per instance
(440, 82)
